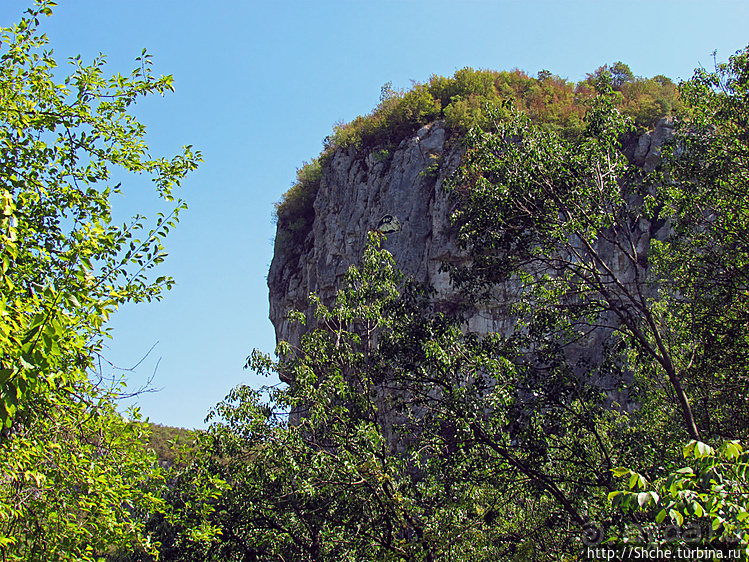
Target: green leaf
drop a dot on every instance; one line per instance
(661, 516)
(5, 375)
(634, 480)
(703, 450)
(732, 449)
(697, 509)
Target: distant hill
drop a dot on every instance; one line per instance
(164, 440)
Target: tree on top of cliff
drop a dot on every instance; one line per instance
(461, 100)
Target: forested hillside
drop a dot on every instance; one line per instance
(609, 419)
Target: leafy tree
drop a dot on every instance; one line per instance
(565, 225)
(591, 250)
(358, 470)
(400, 443)
(165, 439)
(325, 485)
(76, 477)
(708, 500)
(567, 219)
(621, 74)
(65, 266)
(77, 480)
(702, 271)
(703, 265)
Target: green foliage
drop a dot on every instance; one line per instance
(76, 478)
(647, 101)
(701, 268)
(166, 442)
(644, 100)
(462, 101)
(295, 212)
(572, 221)
(398, 115)
(708, 254)
(564, 216)
(711, 495)
(407, 439)
(65, 267)
(324, 487)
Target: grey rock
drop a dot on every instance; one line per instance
(358, 189)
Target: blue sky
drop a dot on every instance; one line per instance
(260, 84)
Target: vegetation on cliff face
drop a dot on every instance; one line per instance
(415, 440)
(295, 212)
(475, 98)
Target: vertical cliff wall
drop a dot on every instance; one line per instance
(358, 189)
(361, 190)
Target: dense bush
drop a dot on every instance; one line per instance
(462, 99)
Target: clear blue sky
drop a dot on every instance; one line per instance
(260, 84)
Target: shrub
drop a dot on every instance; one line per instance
(295, 211)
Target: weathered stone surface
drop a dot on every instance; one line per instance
(359, 188)
(356, 192)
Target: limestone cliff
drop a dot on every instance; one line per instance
(358, 189)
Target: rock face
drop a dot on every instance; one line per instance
(357, 191)
(402, 194)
